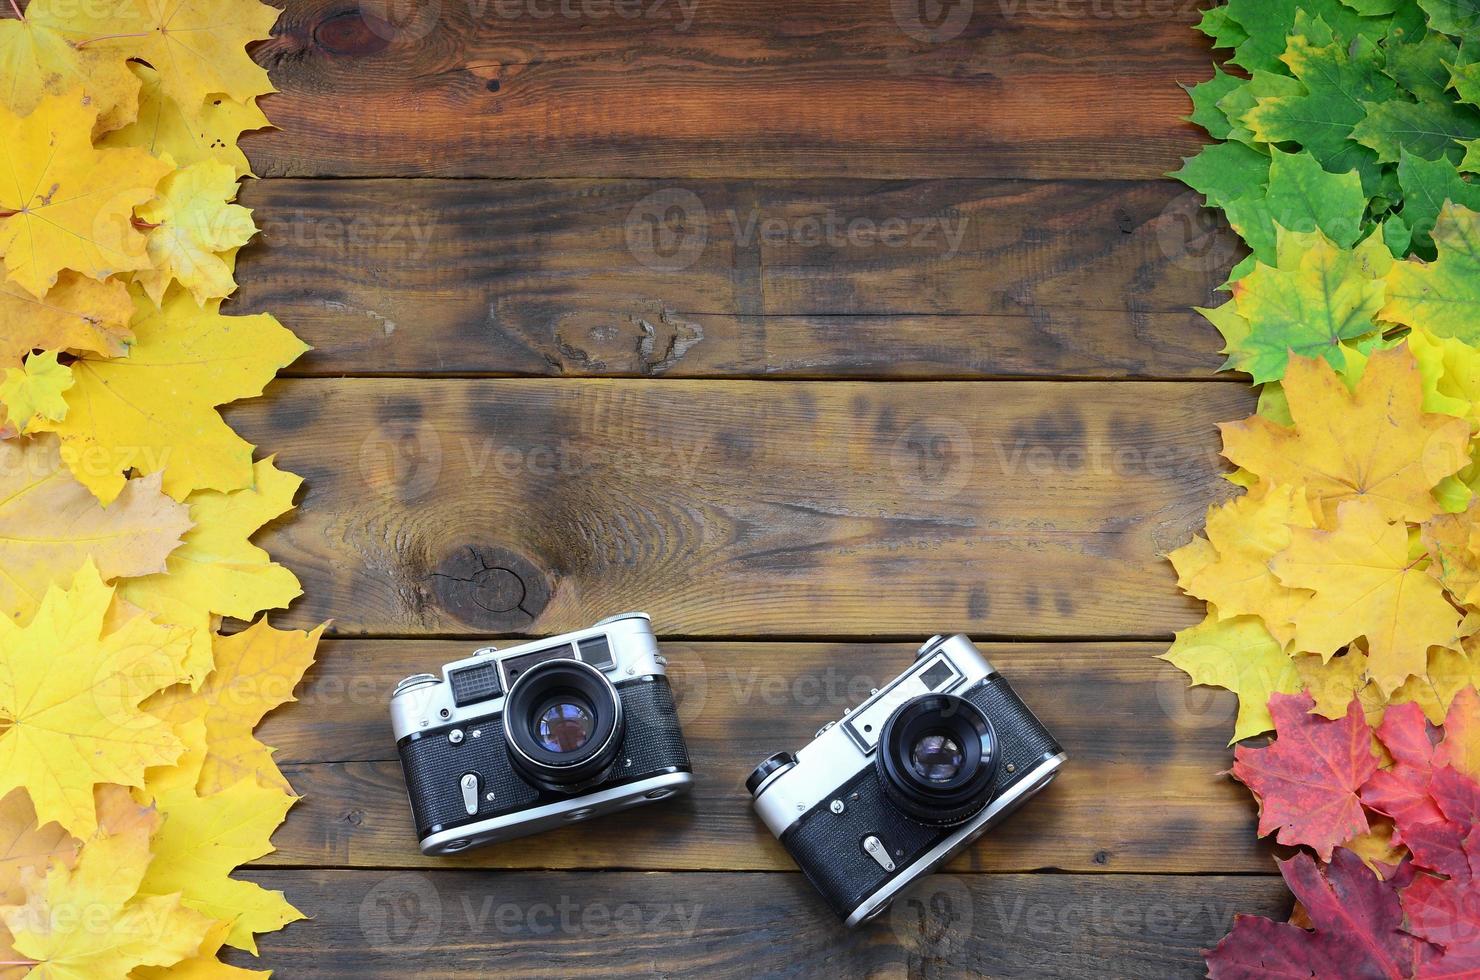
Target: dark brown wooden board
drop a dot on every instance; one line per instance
(477, 923)
(742, 508)
(711, 278)
(772, 88)
(1143, 792)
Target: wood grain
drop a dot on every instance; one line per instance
(704, 278)
(801, 509)
(1063, 88)
(456, 924)
(1142, 793)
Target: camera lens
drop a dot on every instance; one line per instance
(563, 724)
(937, 759)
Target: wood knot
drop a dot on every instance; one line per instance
(491, 588)
(350, 32)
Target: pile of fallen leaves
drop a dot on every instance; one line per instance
(131, 784)
(1343, 584)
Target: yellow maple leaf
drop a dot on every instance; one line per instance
(256, 671)
(203, 965)
(37, 61)
(1449, 672)
(155, 410)
(217, 571)
(205, 836)
(66, 204)
(197, 46)
(78, 314)
(1245, 533)
(1333, 683)
(195, 220)
(88, 922)
(188, 135)
(1374, 444)
(25, 842)
(1366, 585)
(1451, 374)
(51, 525)
(1453, 542)
(34, 391)
(1376, 847)
(1237, 654)
(69, 702)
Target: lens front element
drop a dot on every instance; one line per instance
(563, 724)
(937, 758)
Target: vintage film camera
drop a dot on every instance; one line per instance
(907, 779)
(517, 741)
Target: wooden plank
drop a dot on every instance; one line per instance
(743, 509)
(451, 924)
(771, 88)
(703, 278)
(1142, 792)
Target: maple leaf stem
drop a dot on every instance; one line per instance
(106, 37)
(14, 6)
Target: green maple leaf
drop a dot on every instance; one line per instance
(1471, 162)
(1426, 185)
(1421, 63)
(1224, 172)
(1304, 196)
(1261, 85)
(1301, 196)
(1458, 17)
(1205, 98)
(1464, 74)
(1443, 296)
(1432, 128)
(1337, 81)
(1314, 298)
(1374, 8)
(1219, 25)
(1269, 23)
(1397, 236)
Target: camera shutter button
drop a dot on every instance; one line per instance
(469, 785)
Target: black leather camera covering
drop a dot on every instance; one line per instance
(828, 847)
(433, 765)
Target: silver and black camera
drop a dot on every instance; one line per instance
(513, 742)
(907, 779)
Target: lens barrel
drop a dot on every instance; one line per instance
(563, 724)
(937, 758)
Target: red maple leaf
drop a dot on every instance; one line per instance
(1458, 795)
(1308, 778)
(1358, 929)
(1402, 791)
